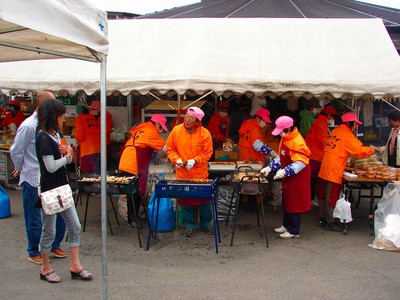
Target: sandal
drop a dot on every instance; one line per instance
(188, 233)
(82, 274)
(51, 277)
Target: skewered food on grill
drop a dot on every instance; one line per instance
(110, 179)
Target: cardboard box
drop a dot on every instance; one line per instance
(70, 121)
(226, 155)
(68, 125)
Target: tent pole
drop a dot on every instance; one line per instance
(178, 110)
(197, 100)
(162, 101)
(103, 161)
(390, 104)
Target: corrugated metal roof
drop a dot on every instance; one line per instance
(286, 9)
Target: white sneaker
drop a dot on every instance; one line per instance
(287, 235)
(281, 229)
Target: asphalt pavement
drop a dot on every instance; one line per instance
(318, 265)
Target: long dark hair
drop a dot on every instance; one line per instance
(48, 112)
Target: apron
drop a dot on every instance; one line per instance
(296, 189)
(143, 157)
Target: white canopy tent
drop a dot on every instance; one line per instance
(275, 57)
(47, 29)
(51, 29)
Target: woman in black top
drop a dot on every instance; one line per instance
(53, 157)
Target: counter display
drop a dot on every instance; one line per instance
(6, 165)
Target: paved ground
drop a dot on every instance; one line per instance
(318, 265)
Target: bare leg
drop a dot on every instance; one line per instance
(77, 271)
(46, 267)
(75, 264)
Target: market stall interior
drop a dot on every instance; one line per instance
(138, 87)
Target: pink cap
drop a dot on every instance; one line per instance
(329, 109)
(195, 111)
(95, 105)
(264, 114)
(282, 123)
(160, 119)
(349, 117)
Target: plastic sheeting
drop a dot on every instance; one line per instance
(387, 219)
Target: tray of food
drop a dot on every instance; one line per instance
(254, 164)
(222, 165)
(249, 177)
(115, 184)
(109, 179)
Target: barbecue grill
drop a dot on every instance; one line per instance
(128, 187)
(250, 183)
(188, 189)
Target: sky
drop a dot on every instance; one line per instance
(149, 6)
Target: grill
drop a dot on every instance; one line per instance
(188, 189)
(128, 187)
(185, 189)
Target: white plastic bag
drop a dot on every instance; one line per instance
(387, 219)
(342, 210)
(123, 207)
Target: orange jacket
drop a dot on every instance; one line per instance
(317, 136)
(17, 120)
(340, 145)
(185, 145)
(88, 133)
(144, 135)
(298, 148)
(249, 132)
(214, 125)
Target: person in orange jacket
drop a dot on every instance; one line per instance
(87, 127)
(219, 126)
(251, 140)
(145, 140)
(13, 114)
(292, 165)
(340, 145)
(189, 148)
(316, 139)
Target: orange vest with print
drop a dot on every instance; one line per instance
(185, 145)
(144, 135)
(340, 145)
(249, 132)
(88, 133)
(190, 145)
(297, 147)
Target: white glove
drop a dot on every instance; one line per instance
(179, 163)
(280, 174)
(190, 163)
(266, 171)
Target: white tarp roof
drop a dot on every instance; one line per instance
(263, 56)
(68, 28)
